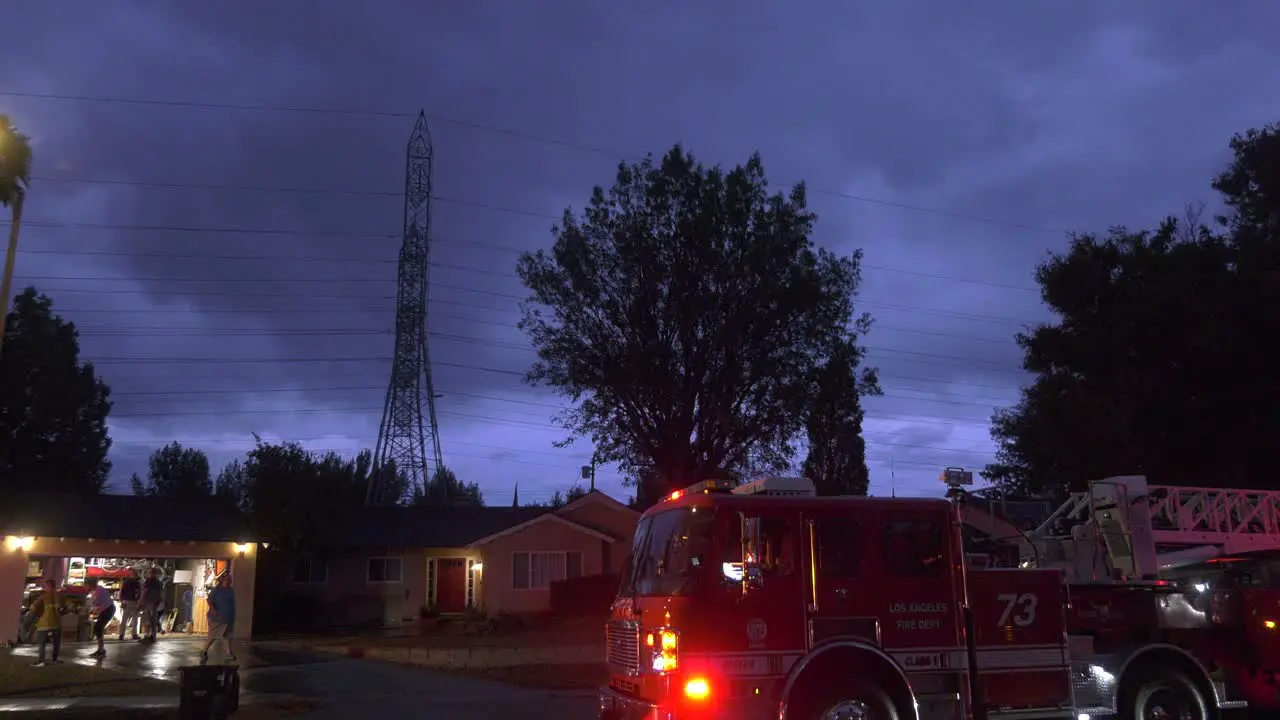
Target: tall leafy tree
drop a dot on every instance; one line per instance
(280, 495)
(444, 488)
(232, 483)
(837, 458)
(1157, 363)
(175, 471)
(53, 407)
(15, 176)
(292, 495)
(684, 312)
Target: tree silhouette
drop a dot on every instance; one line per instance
(53, 407)
(684, 312)
(1158, 362)
(837, 459)
(175, 472)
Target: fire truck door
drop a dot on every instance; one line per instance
(839, 601)
(913, 585)
(768, 609)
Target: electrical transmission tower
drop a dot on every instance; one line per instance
(405, 436)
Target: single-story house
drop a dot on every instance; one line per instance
(452, 560)
(70, 538)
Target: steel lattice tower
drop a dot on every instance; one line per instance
(404, 436)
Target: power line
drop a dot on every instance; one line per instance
(368, 235)
(348, 297)
(509, 132)
(461, 338)
(185, 394)
(141, 330)
(169, 332)
(466, 416)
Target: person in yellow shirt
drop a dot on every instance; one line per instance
(48, 608)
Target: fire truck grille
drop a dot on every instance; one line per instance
(622, 640)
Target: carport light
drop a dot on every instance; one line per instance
(23, 543)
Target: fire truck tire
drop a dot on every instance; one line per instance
(1154, 693)
(844, 699)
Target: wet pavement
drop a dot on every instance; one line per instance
(161, 660)
(341, 687)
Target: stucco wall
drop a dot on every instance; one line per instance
(348, 579)
(13, 569)
(610, 518)
(500, 597)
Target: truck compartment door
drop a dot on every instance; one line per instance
(1020, 637)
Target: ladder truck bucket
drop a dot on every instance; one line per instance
(1123, 522)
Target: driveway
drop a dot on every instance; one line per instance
(344, 688)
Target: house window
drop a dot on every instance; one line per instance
(310, 571)
(384, 570)
(537, 570)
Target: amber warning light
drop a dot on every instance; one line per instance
(957, 477)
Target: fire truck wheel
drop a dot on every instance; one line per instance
(1162, 694)
(846, 700)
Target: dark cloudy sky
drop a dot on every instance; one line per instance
(227, 242)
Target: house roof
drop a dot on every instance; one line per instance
(595, 496)
(124, 517)
(424, 527)
(545, 517)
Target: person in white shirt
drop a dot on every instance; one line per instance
(103, 608)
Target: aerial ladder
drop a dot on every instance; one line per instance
(1122, 529)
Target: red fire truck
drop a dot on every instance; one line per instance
(764, 601)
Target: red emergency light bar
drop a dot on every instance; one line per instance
(704, 487)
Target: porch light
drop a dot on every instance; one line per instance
(242, 548)
(20, 543)
(476, 567)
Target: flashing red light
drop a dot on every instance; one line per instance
(697, 688)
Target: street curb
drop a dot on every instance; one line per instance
(125, 703)
(483, 657)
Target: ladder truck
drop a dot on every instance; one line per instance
(766, 601)
(1219, 550)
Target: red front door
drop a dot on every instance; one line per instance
(451, 585)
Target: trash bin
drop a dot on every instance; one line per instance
(208, 692)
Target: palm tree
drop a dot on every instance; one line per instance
(15, 176)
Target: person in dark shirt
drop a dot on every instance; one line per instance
(130, 594)
(152, 595)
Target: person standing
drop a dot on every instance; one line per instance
(48, 609)
(102, 608)
(130, 592)
(152, 592)
(222, 616)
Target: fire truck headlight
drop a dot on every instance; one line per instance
(697, 688)
(665, 646)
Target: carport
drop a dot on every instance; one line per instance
(39, 532)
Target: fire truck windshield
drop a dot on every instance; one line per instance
(669, 555)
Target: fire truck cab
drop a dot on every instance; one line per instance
(765, 601)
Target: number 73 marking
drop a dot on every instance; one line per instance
(1021, 609)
